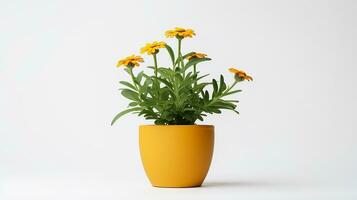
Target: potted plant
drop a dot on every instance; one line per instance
(175, 151)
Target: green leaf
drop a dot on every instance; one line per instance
(201, 77)
(222, 85)
(183, 57)
(127, 69)
(171, 53)
(206, 96)
(168, 84)
(233, 101)
(160, 121)
(147, 82)
(139, 77)
(215, 87)
(216, 111)
(232, 92)
(200, 87)
(188, 54)
(128, 84)
(167, 73)
(132, 104)
(224, 105)
(195, 61)
(129, 94)
(235, 111)
(200, 117)
(189, 75)
(123, 113)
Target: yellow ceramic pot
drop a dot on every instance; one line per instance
(176, 155)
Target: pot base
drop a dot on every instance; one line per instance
(193, 186)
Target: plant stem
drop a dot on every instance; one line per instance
(156, 83)
(235, 82)
(179, 52)
(194, 72)
(133, 77)
(155, 64)
(174, 78)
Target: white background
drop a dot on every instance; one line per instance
(295, 137)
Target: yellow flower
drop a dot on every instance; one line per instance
(241, 74)
(196, 55)
(152, 48)
(180, 33)
(130, 61)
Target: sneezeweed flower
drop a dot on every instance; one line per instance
(196, 55)
(241, 75)
(180, 33)
(130, 61)
(152, 48)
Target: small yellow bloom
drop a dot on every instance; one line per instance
(152, 48)
(241, 74)
(180, 32)
(130, 61)
(196, 55)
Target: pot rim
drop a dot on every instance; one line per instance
(194, 125)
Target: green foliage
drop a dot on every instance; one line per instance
(177, 95)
